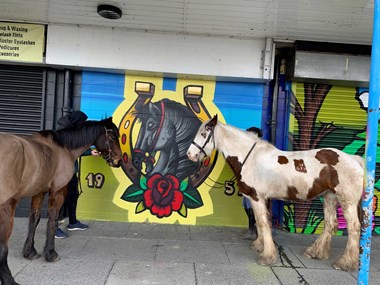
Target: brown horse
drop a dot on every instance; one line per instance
(44, 163)
(264, 172)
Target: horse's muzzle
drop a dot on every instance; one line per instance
(115, 163)
(192, 157)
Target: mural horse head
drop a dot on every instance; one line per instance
(44, 163)
(167, 127)
(265, 172)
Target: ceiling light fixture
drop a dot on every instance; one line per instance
(109, 12)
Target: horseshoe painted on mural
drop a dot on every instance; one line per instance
(158, 157)
(193, 97)
(145, 92)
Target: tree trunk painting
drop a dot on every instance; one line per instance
(309, 134)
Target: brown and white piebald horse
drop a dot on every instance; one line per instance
(266, 172)
(31, 166)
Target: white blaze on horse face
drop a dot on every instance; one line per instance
(193, 153)
(198, 150)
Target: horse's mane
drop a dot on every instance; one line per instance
(184, 120)
(186, 125)
(238, 139)
(77, 136)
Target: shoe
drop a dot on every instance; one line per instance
(78, 226)
(60, 234)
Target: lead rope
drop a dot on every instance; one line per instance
(233, 179)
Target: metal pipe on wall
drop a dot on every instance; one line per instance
(67, 106)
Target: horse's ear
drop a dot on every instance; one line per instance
(212, 123)
(153, 109)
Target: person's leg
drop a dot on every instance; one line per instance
(72, 200)
(74, 224)
(63, 213)
(251, 233)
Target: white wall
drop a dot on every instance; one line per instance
(135, 51)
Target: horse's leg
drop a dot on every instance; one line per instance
(29, 252)
(264, 242)
(7, 213)
(321, 247)
(350, 258)
(56, 200)
(258, 243)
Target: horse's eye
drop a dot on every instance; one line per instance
(151, 125)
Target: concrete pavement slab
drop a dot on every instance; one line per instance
(119, 248)
(289, 276)
(142, 273)
(242, 274)
(217, 234)
(103, 229)
(17, 263)
(240, 253)
(326, 277)
(192, 251)
(66, 271)
(159, 231)
(316, 263)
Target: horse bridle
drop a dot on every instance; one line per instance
(109, 156)
(147, 155)
(201, 149)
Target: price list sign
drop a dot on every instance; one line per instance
(22, 42)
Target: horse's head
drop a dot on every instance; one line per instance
(108, 144)
(204, 142)
(156, 134)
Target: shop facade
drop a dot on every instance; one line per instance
(245, 82)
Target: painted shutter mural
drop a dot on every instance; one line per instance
(326, 116)
(203, 196)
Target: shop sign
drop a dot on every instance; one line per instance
(22, 42)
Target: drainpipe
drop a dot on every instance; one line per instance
(273, 123)
(67, 93)
(370, 151)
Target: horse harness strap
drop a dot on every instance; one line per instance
(233, 177)
(201, 149)
(244, 161)
(109, 156)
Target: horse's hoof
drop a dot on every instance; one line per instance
(312, 254)
(309, 253)
(267, 259)
(345, 266)
(52, 257)
(37, 255)
(31, 255)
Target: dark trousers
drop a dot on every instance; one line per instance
(69, 208)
